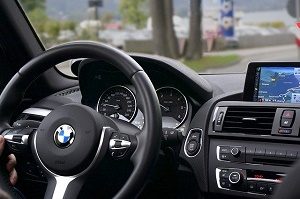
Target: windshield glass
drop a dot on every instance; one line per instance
(209, 36)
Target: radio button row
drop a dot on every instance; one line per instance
(280, 153)
(291, 154)
(270, 152)
(250, 151)
(260, 152)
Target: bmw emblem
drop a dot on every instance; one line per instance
(64, 136)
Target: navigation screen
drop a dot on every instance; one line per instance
(277, 84)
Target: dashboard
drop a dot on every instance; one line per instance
(233, 134)
(108, 91)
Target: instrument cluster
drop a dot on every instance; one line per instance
(120, 102)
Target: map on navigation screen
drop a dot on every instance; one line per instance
(277, 84)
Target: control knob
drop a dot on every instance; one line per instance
(235, 152)
(235, 178)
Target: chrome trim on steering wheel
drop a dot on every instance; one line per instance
(62, 182)
(37, 111)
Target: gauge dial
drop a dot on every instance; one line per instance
(174, 106)
(117, 102)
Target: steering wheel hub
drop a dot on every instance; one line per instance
(68, 138)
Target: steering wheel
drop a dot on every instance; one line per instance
(73, 139)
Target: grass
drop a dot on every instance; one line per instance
(212, 61)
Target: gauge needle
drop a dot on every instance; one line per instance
(114, 106)
(165, 108)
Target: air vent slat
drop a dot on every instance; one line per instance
(249, 120)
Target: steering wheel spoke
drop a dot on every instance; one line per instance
(63, 187)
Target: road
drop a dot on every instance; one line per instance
(274, 53)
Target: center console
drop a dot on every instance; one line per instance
(251, 148)
(253, 143)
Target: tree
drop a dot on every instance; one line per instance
(164, 38)
(159, 28)
(170, 32)
(52, 28)
(107, 17)
(38, 18)
(194, 45)
(67, 25)
(30, 5)
(132, 12)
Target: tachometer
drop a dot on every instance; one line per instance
(117, 102)
(174, 106)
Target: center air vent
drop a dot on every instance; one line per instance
(249, 120)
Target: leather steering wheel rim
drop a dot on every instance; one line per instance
(146, 96)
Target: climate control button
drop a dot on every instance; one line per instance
(235, 177)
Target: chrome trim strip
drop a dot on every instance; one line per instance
(249, 119)
(37, 111)
(124, 144)
(116, 86)
(185, 143)
(215, 113)
(24, 138)
(186, 103)
(61, 186)
(264, 180)
(62, 182)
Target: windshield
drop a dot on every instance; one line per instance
(209, 36)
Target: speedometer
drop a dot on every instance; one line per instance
(174, 106)
(117, 102)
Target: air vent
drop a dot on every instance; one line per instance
(249, 120)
